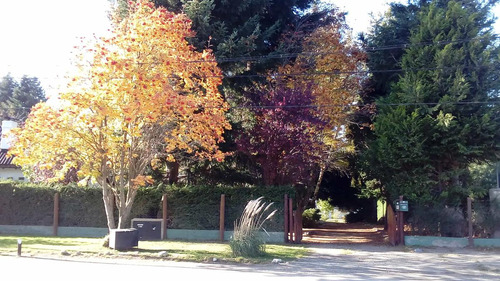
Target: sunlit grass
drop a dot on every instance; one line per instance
(176, 250)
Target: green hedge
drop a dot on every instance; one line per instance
(81, 206)
(25, 204)
(189, 207)
(197, 207)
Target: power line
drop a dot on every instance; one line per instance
(306, 106)
(361, 105)
(326, 73)
(292, 55)
(367, 49)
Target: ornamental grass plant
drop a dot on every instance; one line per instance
(247, 240)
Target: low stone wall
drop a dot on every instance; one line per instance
(484, 242)
(451, 242)
(96, 232)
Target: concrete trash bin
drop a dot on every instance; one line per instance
(123, 239)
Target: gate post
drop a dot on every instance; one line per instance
(401, 224)
(469, 220)
(55, 223)
(291, 219)
(164, 216)
(285, 216)
(221, 217)
(391, 225)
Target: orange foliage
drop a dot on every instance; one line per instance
(145, 94)
(330, 62)
(143, 75)
(329, 66)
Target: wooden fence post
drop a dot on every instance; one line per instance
(164, 216)
(469, 219)
(285, 215)
(291, 219)
(401, 225)
(298, 226)
(55, 223)
(221, 218)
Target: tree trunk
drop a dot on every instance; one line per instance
(318, 183)
(108, 199)
(173, 172)
(298, 221)
(126, 208)
(124, 216)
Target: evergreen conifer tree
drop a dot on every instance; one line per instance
(449, 114)
(16, 99)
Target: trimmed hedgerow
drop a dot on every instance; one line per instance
(81, 206)
(197, 207)
(189, 207)
(26, 204)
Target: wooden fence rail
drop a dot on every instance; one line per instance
(291, 228)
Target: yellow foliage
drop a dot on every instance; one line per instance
(140, 92)
(141, 180)
(329, 67)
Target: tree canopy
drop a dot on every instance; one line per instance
(17, 98)
(445, 112)
(146, 95)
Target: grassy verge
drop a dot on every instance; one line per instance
(176, 250)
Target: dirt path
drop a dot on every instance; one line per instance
(343, 233)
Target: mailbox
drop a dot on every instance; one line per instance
(402, 206)
(149, 229)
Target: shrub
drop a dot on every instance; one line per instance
(311, 217)
(484, 219)
(189, 207)
(247, 240)
(437, 220)
(26, 204)
(197, 207)
(325, 207)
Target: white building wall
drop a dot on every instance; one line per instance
(11, 173)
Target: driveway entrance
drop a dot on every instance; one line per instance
(345, 233)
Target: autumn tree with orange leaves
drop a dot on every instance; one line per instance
(302, 116)
(145, 95)
(327, 75)
(329, 66)
(334, 72)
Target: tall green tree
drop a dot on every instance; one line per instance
(450, 117)
(17, 98)
(7, 86)
(239, 28)
(384, 45)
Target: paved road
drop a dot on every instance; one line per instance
(328, 262)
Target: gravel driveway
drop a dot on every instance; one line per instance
(365, 262)
(326, 262)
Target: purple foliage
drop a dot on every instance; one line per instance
(284, 140)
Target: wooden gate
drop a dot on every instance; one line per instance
(391, 226)
(293, 223)
(395, 226)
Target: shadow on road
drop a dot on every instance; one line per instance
(345, 233)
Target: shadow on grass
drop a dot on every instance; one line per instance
(11, 241)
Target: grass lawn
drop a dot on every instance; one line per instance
(177, 250)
